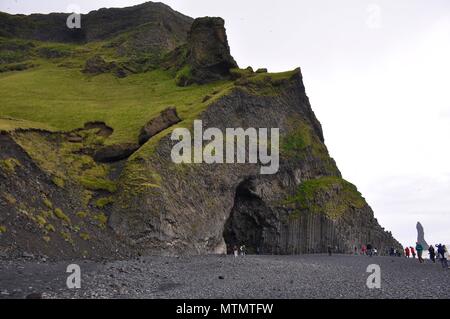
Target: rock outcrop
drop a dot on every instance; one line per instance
(421, 235)
(114, 153)
(97, 65)
(209, 52)
(208, 55)
(164, 120)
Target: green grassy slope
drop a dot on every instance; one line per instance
(55, 95)
(65, 99)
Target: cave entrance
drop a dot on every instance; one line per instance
(249, 220)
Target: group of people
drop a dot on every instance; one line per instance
(239, 251)
(440, 252)
(368, 250)
(395, 252)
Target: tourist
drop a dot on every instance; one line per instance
(413, 252)
(407, 252)
(442, 251)
(356, 250)
(363, 249)
(445, 257)
(329, 250)
(432, 254)
(242, 248)
(419, 249)
(369, 250)
(235, 250)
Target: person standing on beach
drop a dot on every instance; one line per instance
(363, 249)
(413, 252)
(369, 250)
(235, 251)
(432, 253)
(419, 249)
(445, 257)
(242, 249)
(441, 250)
(407, 252)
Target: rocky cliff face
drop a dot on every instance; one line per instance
(39, 215)
(202, 208)
(75, 193)
(149, 27)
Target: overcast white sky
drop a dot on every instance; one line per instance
(377, 74)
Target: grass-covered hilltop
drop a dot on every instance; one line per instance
(85, 166)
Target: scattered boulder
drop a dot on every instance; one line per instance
(27, 255)
(240, 73)
(166, 119)
(261, 70)
(97, 65)
(120, 72)
(52, 53)
(17, 67)
(74, 138)
(114, 153)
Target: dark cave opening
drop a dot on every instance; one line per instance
(248, 223)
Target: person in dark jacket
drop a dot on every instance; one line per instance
(441, 255)
(432, 253)
(369, 250)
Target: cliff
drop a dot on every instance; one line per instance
(90, 174)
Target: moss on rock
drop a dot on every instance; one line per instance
(9, 165)
(329, 195)
(60, 214)
(103, 202)
(101, 219)
(98, 184)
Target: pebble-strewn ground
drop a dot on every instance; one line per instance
(306, 276)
